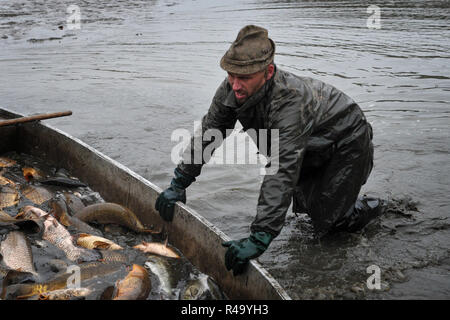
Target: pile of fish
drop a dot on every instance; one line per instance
(59, 240)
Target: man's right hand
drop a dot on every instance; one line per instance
(165, 203)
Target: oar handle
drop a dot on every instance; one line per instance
(35, 118)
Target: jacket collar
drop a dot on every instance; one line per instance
(230, 100)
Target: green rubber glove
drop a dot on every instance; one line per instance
(241, 251)
(165, 203)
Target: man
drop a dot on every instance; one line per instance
(325, 148)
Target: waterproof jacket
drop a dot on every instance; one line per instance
(311, 117)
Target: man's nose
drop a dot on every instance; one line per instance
(237, 85)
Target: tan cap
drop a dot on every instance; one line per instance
(251, 52)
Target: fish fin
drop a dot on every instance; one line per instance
(20, 215)
(140, 244)
(166, 242)
(138, 247)
(102, 245)
(53, 220)
(45, 215)
(58, 217)
(55, 214)
(81, 235)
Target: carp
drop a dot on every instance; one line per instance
(113, 256)
(16, 252)
(25, 223)
(161, 269)
(135, 286)
(56, 234)
(65, 294)
(32, 174)
(13, 176)
(74, 203)
(38, 195)
(57, 265)
(8, 196)
(6, 219)
(6, 162)
(62, 179)
(60, 281)
(202, 288)
(4, 215)
(104, 213)
(14, 277)
(161, 249)
(63, 182)
(60, 212)
(94, 242)
(3, 271)
(5, 181)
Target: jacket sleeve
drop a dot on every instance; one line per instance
(212, 132)
(292, 116)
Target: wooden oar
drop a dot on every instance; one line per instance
(35, 118)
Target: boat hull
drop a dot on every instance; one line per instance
(192, 234)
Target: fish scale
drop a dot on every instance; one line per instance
(135, 286)
(37, 195)
(16, 252)
(56, 234)
(8, 196)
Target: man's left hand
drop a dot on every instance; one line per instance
(241, 251)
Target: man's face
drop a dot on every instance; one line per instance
(244, 86)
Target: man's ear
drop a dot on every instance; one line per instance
(270, 71)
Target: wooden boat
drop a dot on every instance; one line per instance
(192, 234)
